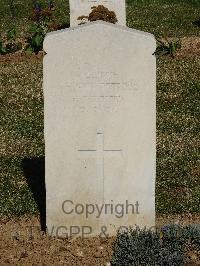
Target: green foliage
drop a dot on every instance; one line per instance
(10, 45)
(146, 15)
(167, 47)
(36, 38)
(11, 34)
(40, 14)
(42, 21)
(2, 48)
(165, 246)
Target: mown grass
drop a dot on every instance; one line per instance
(170, 18)
(178, 172)
(164, 18)
(21, 134)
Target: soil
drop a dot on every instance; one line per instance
(20, 56)
(190, 48)
(20, 246)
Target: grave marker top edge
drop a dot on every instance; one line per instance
(100, 23)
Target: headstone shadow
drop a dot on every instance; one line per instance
(34, 171)
(62, 26)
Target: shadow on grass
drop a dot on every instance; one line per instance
(63, 26)
(196, 23)
(34, 171)
(56, 26)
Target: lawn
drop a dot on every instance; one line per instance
(178, 84)
(169, 17)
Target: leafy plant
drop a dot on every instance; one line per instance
(36, 38)
(42, 19)
(167, 47)
(43, 15)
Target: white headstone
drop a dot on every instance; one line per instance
(83, 7)
(100, 128)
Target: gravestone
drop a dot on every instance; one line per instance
(83, 7)
(100, 129)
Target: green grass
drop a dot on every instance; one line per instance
(21, 131)
(162, 18)
(178, 86)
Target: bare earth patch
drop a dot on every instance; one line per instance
(22, 243)
(182, 220)
(190, 47)
(20, 246)
(20, 56)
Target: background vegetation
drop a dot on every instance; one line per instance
(160, 17)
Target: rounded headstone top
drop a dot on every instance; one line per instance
(92, 28)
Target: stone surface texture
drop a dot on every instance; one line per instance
(100, 126)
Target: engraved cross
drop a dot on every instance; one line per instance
(100, 153)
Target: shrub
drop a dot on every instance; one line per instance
(44, 15)
(99, 13)
(143, 247)
(42, 20)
